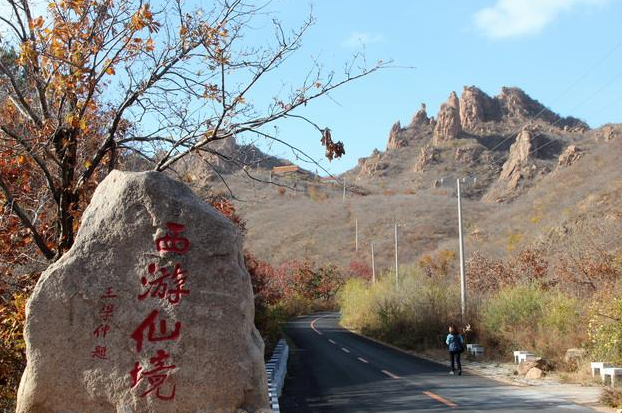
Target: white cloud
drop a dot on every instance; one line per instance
(357, 39)
(517, 18)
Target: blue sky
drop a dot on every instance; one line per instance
(565, 53)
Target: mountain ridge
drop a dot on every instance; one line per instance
(516, 167)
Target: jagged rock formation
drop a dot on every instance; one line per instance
(427, 156)
(518, 166)
(516, 104)
(469, 154)
(478, 114)
(569, 156)
(608, 133)
(483, 125)
(421, 118)
(448, 126)
(520, 153)
(394, 142)
(372, 165)
(512, 105)
(476, 107)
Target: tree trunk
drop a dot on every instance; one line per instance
(66, 146)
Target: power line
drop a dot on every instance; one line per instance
(615, 102)
(616, 77)
(580, 104)
(544, 108)
(576, 82)
(601, 61)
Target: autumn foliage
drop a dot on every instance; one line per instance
(88, 86)
(285, 290)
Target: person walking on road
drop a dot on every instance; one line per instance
(455, 345)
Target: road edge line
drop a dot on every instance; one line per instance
(312, 323)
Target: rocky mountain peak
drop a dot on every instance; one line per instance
(476, 107)
(516, 104)
(453, 101)
(394, 142)
(421, 117)
(448, 125)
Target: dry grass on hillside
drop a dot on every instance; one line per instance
(313, 222)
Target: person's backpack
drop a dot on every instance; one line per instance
(454, 344)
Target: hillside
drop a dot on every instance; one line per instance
(529, 175)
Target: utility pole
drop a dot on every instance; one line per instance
(396, 268)
(373, 265)
(462, 275)
(356, 234)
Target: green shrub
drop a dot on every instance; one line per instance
(357, 304)
(513, 309)
(528, 317)
(561, 314)
(415, 315)
(605, 326)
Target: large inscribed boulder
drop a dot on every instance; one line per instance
(151, 311)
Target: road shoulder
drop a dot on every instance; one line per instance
(502, 372)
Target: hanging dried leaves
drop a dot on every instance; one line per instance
(333, 149)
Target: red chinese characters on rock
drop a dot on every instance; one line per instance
(108, 294)
(149, 326)
(106, 312)
(101, 330)
(172, 241)
(167, 285)
(155, 377)
(164, 284)
(99, 353)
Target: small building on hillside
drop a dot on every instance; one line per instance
(285, 169)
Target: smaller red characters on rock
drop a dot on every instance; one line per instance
(155, 377)
(160, 288)
(105, 313)
(109, 294)
(172, 241)
(99, 353)
(149, 325)
(101, 330)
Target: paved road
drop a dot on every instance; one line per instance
(333, 370)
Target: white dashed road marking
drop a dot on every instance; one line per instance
(388, 373)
